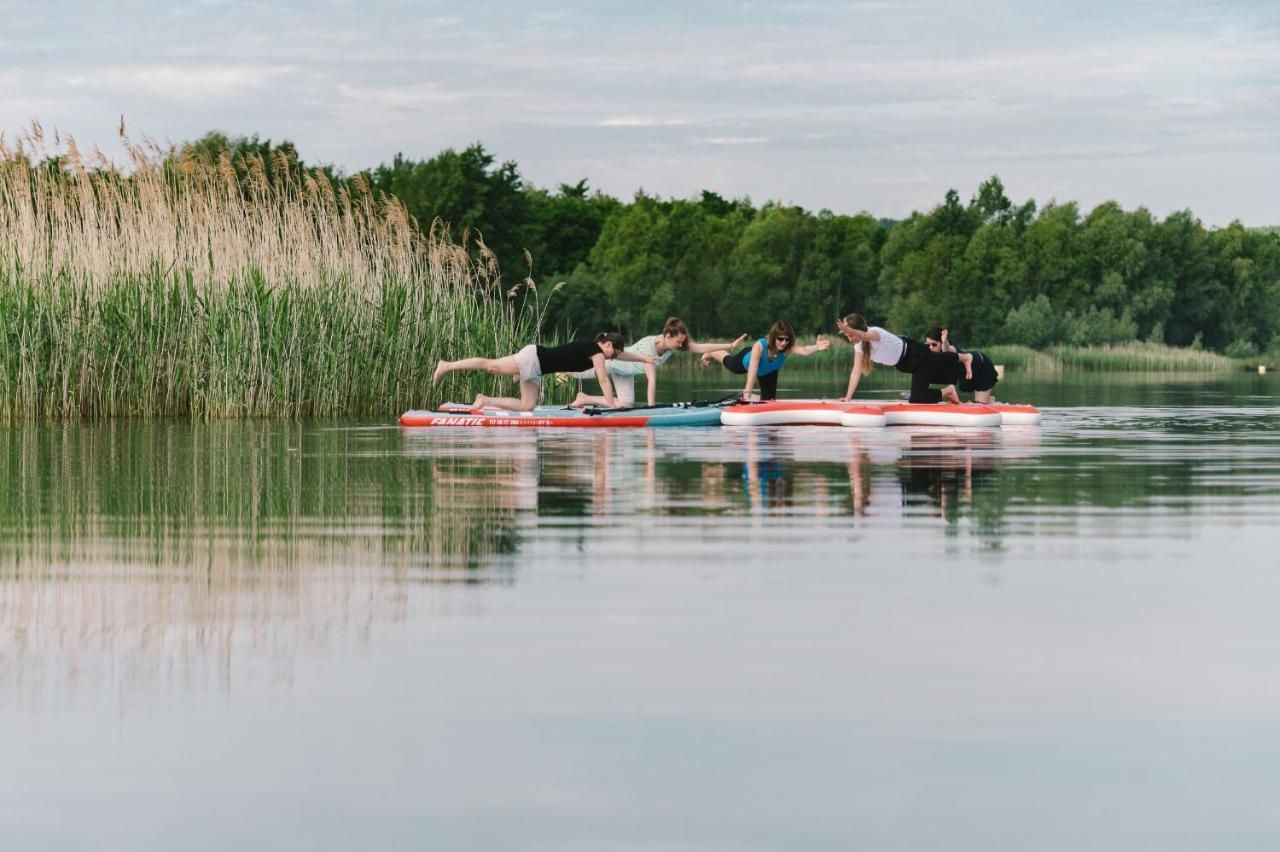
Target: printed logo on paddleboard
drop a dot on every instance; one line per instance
(492, 421)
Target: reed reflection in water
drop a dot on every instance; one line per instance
(556, 638)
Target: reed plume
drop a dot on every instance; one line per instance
(187, 284)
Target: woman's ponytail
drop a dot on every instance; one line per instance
(857, 323)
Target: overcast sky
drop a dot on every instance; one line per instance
(877, 106)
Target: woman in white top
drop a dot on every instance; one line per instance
(674, 338)
(877, 345)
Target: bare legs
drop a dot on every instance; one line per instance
(494, 366)
(624, 389)
(981, 397)
(527, 401)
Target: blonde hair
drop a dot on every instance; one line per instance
(856, 322)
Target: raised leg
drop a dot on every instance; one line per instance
(494, 366)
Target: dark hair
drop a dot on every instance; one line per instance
(674, 327)
(934, 333)
(614, 338)
(781, 328)
(856, 322)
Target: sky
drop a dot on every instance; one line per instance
(849, 106)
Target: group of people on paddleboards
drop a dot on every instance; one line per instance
(615, 366)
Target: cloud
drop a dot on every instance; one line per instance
(881, 90)
(732, 140)
(626, 121)
(174, 82)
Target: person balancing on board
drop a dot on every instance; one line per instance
(533, 362)
(875, 344)
(674, 338)
(984, 376)
(764, 358)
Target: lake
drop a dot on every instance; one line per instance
(353, 636)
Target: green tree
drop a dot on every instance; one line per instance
(469, 193)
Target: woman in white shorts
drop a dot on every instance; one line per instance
(674, 338)
(533, 362)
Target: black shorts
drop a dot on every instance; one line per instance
(768, 382)
(984, 374)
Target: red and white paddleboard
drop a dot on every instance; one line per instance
(498, 418)
(802, 412)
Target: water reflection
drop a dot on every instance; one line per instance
(167, 551)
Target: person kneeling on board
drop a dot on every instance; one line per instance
(878, 345)
(984, 376)
(533, 362)
(764, 358)
(674, 338)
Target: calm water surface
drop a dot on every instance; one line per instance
(352, 636)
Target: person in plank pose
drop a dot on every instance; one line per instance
(873, 344)
(984, 369)
(764, 358)
(533, 362)
(674, 338)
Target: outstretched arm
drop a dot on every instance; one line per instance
(752, 368)
(820, 345)
(602, 376)
(651, 382)
(716, 347)
(624, 355)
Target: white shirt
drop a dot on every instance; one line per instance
(888, 349)
(643, 346)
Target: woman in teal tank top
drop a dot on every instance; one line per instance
(765, 358)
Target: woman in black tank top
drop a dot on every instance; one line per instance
(533, 362)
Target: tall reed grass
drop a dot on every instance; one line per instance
(1131, 357)
(175, 286)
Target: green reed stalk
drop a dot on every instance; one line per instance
(181, 289)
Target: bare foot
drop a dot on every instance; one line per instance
(480, 402)
(706, 359)
(950, 395)
(441, 370)
(579, 401)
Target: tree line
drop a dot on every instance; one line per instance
(991, 270)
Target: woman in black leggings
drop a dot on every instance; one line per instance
(877, 345)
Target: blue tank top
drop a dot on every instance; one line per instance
(766, 366)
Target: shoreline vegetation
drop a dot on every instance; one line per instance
(1137, 357)
(225, 278)
(197, 285)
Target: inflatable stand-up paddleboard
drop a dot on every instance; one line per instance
(1014, 414)
(1011, 414)
(459, 415)
(940, 414)
(802, 412)
(870, 414)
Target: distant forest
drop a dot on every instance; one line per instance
(992, 270)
